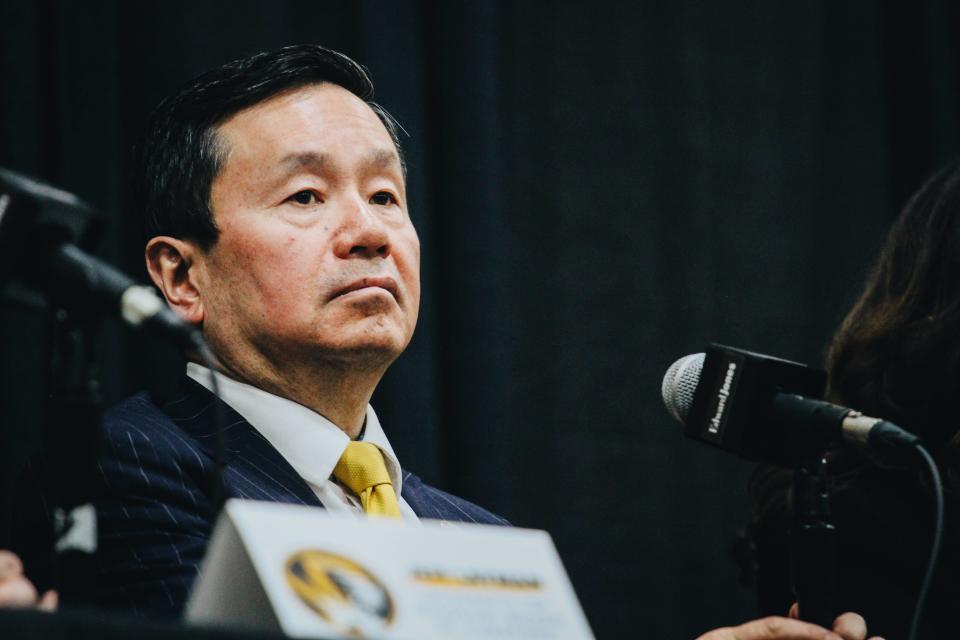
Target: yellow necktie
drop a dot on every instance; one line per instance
(361, 468)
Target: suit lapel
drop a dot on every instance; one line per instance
(427, 502)
(254, 470)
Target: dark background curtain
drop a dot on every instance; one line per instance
(599, 187)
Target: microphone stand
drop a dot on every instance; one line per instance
(813, 543)
(71, 444)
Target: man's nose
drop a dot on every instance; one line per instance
(362, 233)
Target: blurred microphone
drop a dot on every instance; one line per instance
(40, 230)
(762, 408)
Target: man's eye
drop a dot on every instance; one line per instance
(383, 198)
(305, 197)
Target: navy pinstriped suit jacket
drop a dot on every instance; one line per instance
(154, 509)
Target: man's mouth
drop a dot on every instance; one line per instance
(376, 282)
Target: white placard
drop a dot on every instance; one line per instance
(310, 574)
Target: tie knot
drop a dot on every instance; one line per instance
(361, 467)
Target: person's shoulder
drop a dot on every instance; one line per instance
(431, 503)
(184, 409)
(137, 418)
(133, 411)
(141, 427)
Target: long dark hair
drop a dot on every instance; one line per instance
(896, 354)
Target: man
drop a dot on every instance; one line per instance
(275, 204)
(276, 211)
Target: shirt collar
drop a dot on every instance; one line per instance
(308, 441)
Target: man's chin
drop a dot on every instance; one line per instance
(365, 350)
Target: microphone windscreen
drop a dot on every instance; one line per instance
(680, 384)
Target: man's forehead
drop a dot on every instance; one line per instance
(299, 124)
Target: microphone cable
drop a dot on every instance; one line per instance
(937, 483)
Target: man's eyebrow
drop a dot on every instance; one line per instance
(384, 158)
(316, 161)
(304, 160)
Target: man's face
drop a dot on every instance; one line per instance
(316, 259)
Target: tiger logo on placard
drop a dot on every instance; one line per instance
(347, 596)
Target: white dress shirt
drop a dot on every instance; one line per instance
(308, 441)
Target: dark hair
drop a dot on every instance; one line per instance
(897, 353)
(181, 153)
(896, 356)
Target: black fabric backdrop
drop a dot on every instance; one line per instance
(599, 188)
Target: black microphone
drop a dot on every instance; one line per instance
(40, 230)
(763, 408)
(138, 305)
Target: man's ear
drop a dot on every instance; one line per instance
(172, 264)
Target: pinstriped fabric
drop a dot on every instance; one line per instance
(154, 511)
(153, 520)
(429, 502)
